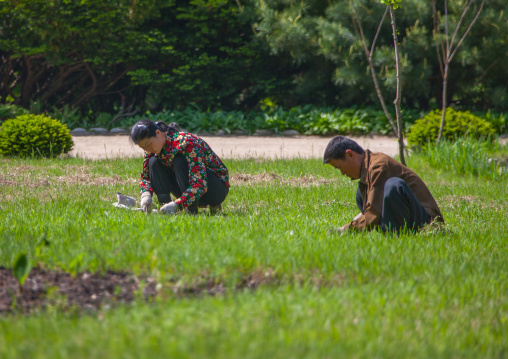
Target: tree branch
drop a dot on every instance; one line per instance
(437, 34)
(468, 29)
(458, 27)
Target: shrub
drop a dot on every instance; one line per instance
(457, 124)
(34, 135)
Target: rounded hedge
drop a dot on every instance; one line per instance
(457, 124)
(34, 135)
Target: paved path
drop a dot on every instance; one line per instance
(236, 147)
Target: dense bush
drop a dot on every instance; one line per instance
(457, 124)
(34, 135)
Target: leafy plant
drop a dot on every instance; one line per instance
(498, 121)
(307, 119)
(9, 110)
(21, 268)
(34, 135)
(457, 124)
(41, 244)
(67, 115)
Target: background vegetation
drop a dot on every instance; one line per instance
(108, 59)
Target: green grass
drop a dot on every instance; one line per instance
(468, 155)
(433, 294)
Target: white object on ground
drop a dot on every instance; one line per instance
(125, 200)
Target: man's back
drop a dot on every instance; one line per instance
(377, 168)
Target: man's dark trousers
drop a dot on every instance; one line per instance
(400, 207)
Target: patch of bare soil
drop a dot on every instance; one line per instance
(452, 201)
(86, 291)
(303, 181)
(35, 177)
(90, 292)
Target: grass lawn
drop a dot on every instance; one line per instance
(436, 294)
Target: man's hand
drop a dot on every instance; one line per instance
(339, 230)
(169, 208)
(146, 202)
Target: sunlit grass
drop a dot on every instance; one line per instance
(439, 293)
(469, 156)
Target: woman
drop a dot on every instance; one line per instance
(179, 163)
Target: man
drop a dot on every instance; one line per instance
(390, 196)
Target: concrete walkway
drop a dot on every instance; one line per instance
(235, 147)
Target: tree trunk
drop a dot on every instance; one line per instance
(368, 55)
(444, 101)
(397, 100)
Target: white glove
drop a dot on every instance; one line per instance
(146, 202)
(169, 208)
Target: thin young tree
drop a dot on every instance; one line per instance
(357, 25)
(446, 48)
(392, 5)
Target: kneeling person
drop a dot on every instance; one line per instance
(179, 163)
(390, 195)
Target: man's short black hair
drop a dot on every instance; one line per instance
(336, 148)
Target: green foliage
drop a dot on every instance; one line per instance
(215, 60)
(9, 110)
(68, 116)
(228, 55)
(69, 51)
(498, 120)
(21, 268)
(326, 47)
(457, 124)
(394, 3)
(34, 135)
(467, 156)
(307, 120)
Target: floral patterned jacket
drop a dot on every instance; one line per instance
(199, 156)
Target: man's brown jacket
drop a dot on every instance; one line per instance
(376, 169)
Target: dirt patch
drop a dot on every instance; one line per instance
(90, 292)
(55, 181)
(252, 179)
(86, 291)
(5, 182)
(35, 177)
(455, 201)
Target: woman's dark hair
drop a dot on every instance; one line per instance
(146, 129)
(336, 148)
